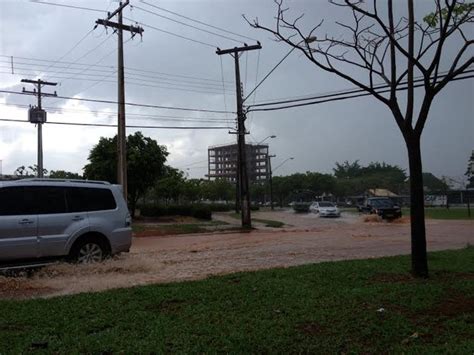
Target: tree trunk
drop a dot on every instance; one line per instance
(419, 262)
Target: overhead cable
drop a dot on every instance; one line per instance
(138, 116)
(197, 21)
(105, 67)
(173, 34)
(186, 24)
(69, 6)
(126, 103)
(344, 92)
(338, 97)
(115, 126)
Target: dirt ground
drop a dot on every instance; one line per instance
(304, 239)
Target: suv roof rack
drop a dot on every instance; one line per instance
(66, 180)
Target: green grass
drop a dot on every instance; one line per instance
(180, 228)
(444, 213)
(269, 222)
(323, 308)
(266, 222)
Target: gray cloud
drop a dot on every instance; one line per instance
(317, 136)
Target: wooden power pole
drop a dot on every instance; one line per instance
(38, 116)
(242, 172)
(121, 134)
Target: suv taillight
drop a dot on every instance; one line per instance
(128, 221)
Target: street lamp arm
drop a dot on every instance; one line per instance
(263, 140)
(284, 161)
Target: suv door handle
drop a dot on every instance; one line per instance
(77, 218)
(25, 221)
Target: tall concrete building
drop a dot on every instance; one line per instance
(222, 162)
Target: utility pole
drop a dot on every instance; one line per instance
(121, 134)
(242, 173)
(271, 179)
(38, 116)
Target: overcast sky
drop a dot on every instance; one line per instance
(40, 38)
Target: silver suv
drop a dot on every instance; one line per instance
(82, 220)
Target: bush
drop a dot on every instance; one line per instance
(220, 207)
(202, 212)
(197, 211)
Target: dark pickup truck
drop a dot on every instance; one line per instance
(382, 206)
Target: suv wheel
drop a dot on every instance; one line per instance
(88, 251)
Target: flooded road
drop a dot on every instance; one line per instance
(195, 256)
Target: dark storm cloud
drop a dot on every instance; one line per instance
(317, 136)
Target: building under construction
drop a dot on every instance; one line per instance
(222, 162)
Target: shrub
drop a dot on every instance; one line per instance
(197, 211)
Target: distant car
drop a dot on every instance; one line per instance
(325, 209)
(81, 220)
(382, 206)
(301, 207)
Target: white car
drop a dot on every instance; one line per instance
(325, 209)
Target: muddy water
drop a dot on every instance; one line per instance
(187, 257)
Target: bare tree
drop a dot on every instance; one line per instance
(391, 52)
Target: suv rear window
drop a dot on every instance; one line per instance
(84, 199)
(26, 200)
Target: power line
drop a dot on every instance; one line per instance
(127, 103)
(342, 92)
(200, 22)
(191, 164)
(141, 83)
(115, 126)
(137, 76)
(271, 71)
(223, 86)
(90, 51)
(256, 79)
(107, 67)
(69, 6)
(178, 75)
(173, 34)
(112, 114)
(338, 97)
(70, 50)
(37, 67)
(184, 24)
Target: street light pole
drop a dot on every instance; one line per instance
(271, 179)
(284, 161)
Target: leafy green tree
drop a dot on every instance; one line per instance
(218, 190)
(31, 171)
(355, 179)
(470, 171)
(258, 192)
(192, 190)
(145, 164)
(320, 183)
(433, 184)
(281, 189)
(170, 187)
(62, 174)
(347, 170)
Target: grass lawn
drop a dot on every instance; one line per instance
(443, 213)
(365, 306)
(178, 228)
(266, 222)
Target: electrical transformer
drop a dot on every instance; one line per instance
(36, 115)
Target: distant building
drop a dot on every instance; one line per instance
(222, 162)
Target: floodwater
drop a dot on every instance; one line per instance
(305, 239)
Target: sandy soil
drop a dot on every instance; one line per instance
(305, 239)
